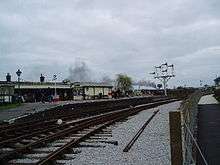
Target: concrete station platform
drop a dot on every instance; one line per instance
(208, 130)
(24, 109)
(30, 108)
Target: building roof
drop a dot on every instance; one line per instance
(6, 85)
(36, 85)
(91, 84)
(44, 85)
(59, 85)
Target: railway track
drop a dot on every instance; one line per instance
(71, 133)
(14, 130)
(84, 109)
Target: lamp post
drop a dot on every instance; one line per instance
(54, 79)
(19, 78)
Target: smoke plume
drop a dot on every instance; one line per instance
(80, 72)
(107, 79)
(145, 83)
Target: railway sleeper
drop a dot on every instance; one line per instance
(103, 134)
(56, 144)
(26, 141)
(35, 155)
(68, 131)
(87, 145)
(17, 145)
(102, 141)
(42, 135)
(24, 161)
(97, 138)
(62, 140)
(61, 162)
(35, 138)
(45, 149)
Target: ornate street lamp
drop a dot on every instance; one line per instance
(19, 78)
(54, 79)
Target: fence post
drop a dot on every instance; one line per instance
(176, 138)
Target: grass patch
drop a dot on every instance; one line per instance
(9, 106)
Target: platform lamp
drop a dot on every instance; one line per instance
(54, 79)
(19, 78)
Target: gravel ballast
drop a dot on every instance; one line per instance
(151, 148)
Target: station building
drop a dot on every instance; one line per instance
(91, 90)
(6, 93)
(37, 91)
(45, 91)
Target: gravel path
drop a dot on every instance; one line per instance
(152, 147)
(208, 99)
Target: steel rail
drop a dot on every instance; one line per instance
(74, 142)
(52, 156)
(29, 127)
(4, 129)
(134, 139)
(70, 123)
(51, 126)
(58, 115)
(79, 126)
(11, 140)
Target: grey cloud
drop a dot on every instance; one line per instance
(111, 37)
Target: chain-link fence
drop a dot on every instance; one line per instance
(189, 110)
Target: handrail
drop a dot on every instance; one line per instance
(196, 144)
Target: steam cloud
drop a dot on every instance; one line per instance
(80, 72)
(146, 83)
(107, 79)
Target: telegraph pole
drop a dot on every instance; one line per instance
(164, 73)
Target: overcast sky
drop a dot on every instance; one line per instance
(111, 36)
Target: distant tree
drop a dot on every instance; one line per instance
(124, 82)
(159, 86)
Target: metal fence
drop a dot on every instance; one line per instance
(189, 110)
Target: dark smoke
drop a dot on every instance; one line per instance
(107, 79)
(145, 83)
(79, 72)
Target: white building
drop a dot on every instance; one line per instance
(91, 90)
